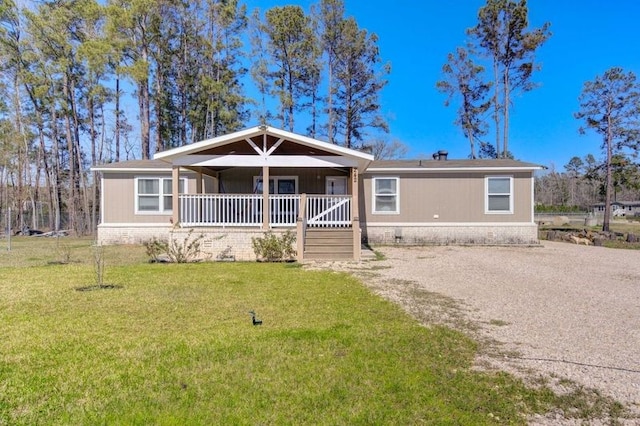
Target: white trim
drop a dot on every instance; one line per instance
(368, 224)
(373, 195)
(446, 224)
(275, 146)
(449, 169)
(139, 169)
(135, 225)
(486, 195)
(102, 199)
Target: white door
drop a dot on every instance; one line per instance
(336, 185)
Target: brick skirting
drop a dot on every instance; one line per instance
(520, 234)
(232, 243)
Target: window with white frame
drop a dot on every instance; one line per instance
(153, 195)
(499, 194)
(277, 185)
(386, 195)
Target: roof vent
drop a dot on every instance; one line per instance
(442, 155)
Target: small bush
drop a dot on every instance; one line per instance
(98, 264)
(155, 248)
(178, 250)
(63, 251)
(271, 248)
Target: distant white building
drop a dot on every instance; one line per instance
(619, 208)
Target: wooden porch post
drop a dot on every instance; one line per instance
(300, 227)
(199, 183)
(175, 189)
(355, 216)
(265, 197)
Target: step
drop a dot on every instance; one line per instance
(328, 256)
(328, 244)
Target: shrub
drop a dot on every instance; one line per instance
(155, 248)
(178, 250)
(271, 248)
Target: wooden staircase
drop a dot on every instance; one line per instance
(328, 244)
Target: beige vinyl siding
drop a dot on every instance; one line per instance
(120, 194)
(450, 197)
(119, 188)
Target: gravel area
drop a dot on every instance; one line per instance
(558, 311)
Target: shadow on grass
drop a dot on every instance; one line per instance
(99, 287)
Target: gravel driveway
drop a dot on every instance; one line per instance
(559, 311)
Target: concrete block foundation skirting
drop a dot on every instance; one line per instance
(217, 244)
(443, 235)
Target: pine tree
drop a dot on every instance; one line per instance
(610, 106)
(503, 35)
(358, 80)
(464, 77)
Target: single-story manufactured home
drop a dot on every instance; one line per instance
(619, 208)
(238, 186)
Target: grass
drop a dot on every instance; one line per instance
(173, 344)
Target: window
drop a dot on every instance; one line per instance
(386, 196)
(499, 190)
(153, 195)
(281, 184)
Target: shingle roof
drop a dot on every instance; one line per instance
(413, 165)
(134, 165)
(452, 164)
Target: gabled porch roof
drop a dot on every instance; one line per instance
(262, 146)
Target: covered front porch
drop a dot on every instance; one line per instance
(265, 178)
(248, 210)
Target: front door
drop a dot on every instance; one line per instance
(336, 185)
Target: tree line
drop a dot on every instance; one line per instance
(497, 62)
(582, 183)
(69, 70)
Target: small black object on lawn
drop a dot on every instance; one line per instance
(254, 320)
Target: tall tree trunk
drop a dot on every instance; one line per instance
(81, 180)
(72, 202)
(118, 124)
(143, 103)
(496, 105)
(158, 108)
(505, 106)
(23, 151)
(330, 102)
(56, 177)
(609, 178)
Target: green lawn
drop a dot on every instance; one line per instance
(174, 344)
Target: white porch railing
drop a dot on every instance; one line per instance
(220, 209)
(246, 210)
(329, 210)
(283, 210)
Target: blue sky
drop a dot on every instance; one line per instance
(415, 36)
